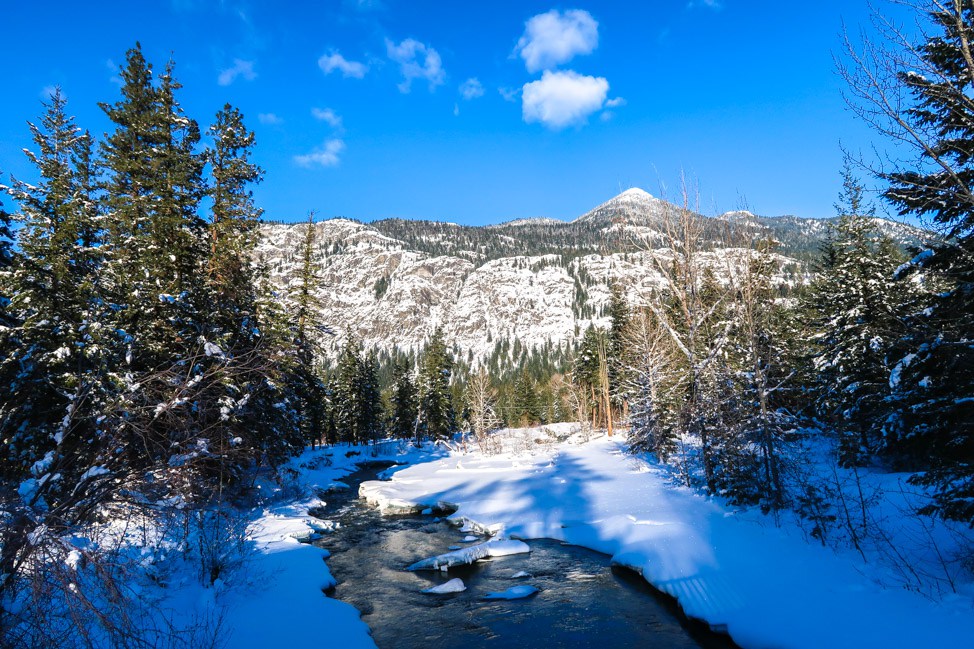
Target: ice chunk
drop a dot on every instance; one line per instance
(521, 574)
(453, 586)
(514, 592)
(468, 538)
(470, 554)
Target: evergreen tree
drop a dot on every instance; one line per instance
(619, 317)
(436, 409)
(856, 310)
(933, 375)
(53, 358)
(6, 261)
(157, 241)
(6, 240)
(356, 400)
(254, 369)
(646, 357)
(304, 309)
(369, 426)
(345, 404)
(53, 371)
(403, 403)
(233, 229)
(591, 374)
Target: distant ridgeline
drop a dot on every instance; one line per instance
(500, 292)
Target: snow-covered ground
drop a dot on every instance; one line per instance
(285, 605)
(766, 585)
(271, 593)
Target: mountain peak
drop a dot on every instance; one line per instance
(634, 205)
(635, 193)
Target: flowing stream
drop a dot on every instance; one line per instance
(582, 602)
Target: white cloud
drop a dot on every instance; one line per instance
(240, 68)
(269, 118)
(707, 4)
(416, 61)
(615, 102)
(561, 99)
(335, 61)
(509, 94)
(456, 110)
(327, 115)
(323, 156)
(553, 38)
(471, 89)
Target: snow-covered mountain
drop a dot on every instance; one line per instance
(538, 281)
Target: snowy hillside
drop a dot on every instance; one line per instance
(538, 281)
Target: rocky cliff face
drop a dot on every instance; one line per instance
(539, 281)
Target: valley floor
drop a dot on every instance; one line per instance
(766, 585)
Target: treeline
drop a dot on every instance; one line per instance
(433, 395)
(146, 364)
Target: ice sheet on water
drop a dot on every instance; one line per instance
(470, 554)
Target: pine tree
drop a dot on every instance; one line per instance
(857, 309)
(53, 372)
(647, 357)
(369, 426)
(6, 261)
(256, 421)
(403, 413)
(156, 239)
(233, 229)
(357, 401)
(6, 240)
(304, 309)
(933, 376)
(619, 317)
(435, 400)
(53, 356)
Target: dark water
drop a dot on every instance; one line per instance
(582, 602)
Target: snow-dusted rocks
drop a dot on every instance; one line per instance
(466, 556)
(514, 592)
(455, 585)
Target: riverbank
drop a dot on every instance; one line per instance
(766, 585)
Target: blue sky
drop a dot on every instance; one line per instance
(474, 112)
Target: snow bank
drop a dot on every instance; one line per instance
(283, 604)
(766, 586)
